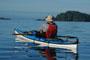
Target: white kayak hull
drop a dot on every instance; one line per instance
(71, 47)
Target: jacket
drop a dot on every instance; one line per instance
(50, 30)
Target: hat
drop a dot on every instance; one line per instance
(49, 18)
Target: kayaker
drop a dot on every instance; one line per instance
(49, 31)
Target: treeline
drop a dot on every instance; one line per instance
(73, 16)
(5, 18)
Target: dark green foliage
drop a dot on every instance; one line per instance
(73, 16)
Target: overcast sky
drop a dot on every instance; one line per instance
(45, 5)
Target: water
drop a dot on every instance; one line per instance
(26, 21)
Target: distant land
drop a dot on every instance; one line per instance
(5, 18)
(71, 16)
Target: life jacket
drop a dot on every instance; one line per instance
(51, 31)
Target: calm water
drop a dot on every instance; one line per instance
(8, 47)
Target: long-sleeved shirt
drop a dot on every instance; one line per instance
(50, 30)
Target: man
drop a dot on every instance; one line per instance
(49, 31)
(49, 28)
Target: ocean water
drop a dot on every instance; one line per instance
(26, 21)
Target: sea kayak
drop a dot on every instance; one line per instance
(43, 42)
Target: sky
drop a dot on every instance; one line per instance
(45, 5)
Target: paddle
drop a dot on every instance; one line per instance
(67, 36)
(24, 33)
(30, 33)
